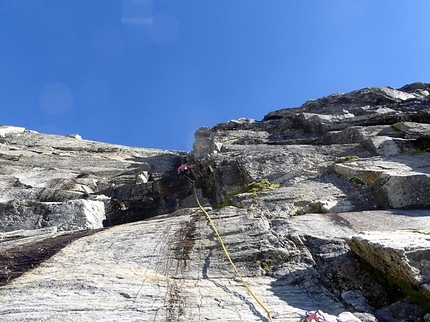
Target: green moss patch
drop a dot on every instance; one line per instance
(347, 158)
(418, 151)
(399, 127)
(358, 181)
(253, 187)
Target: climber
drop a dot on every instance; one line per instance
(315, 316)
(185, 169)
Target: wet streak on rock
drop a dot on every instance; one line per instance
(184, 243)
(17, 261)
(339, 220)
(175, 302)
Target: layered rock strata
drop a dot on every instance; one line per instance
(321, 207)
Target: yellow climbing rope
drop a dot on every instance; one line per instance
(229, 258)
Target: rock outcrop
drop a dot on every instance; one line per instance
(324, 206)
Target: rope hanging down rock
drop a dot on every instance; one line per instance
(228, 255)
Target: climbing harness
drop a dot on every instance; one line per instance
(228, 255)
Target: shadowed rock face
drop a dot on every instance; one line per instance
(320, 207)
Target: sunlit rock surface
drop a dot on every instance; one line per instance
(320, 207)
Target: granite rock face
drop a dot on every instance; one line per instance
(321, 207)
(405, 255)
(70, 183)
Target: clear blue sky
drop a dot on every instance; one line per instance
(150, 73)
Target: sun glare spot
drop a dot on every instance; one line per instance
(56, 98)
(164, 29)
(136, 12)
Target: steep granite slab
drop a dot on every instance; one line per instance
(166, 269)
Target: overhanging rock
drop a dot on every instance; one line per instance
(404, 255)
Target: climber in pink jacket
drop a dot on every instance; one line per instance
(184, 169)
